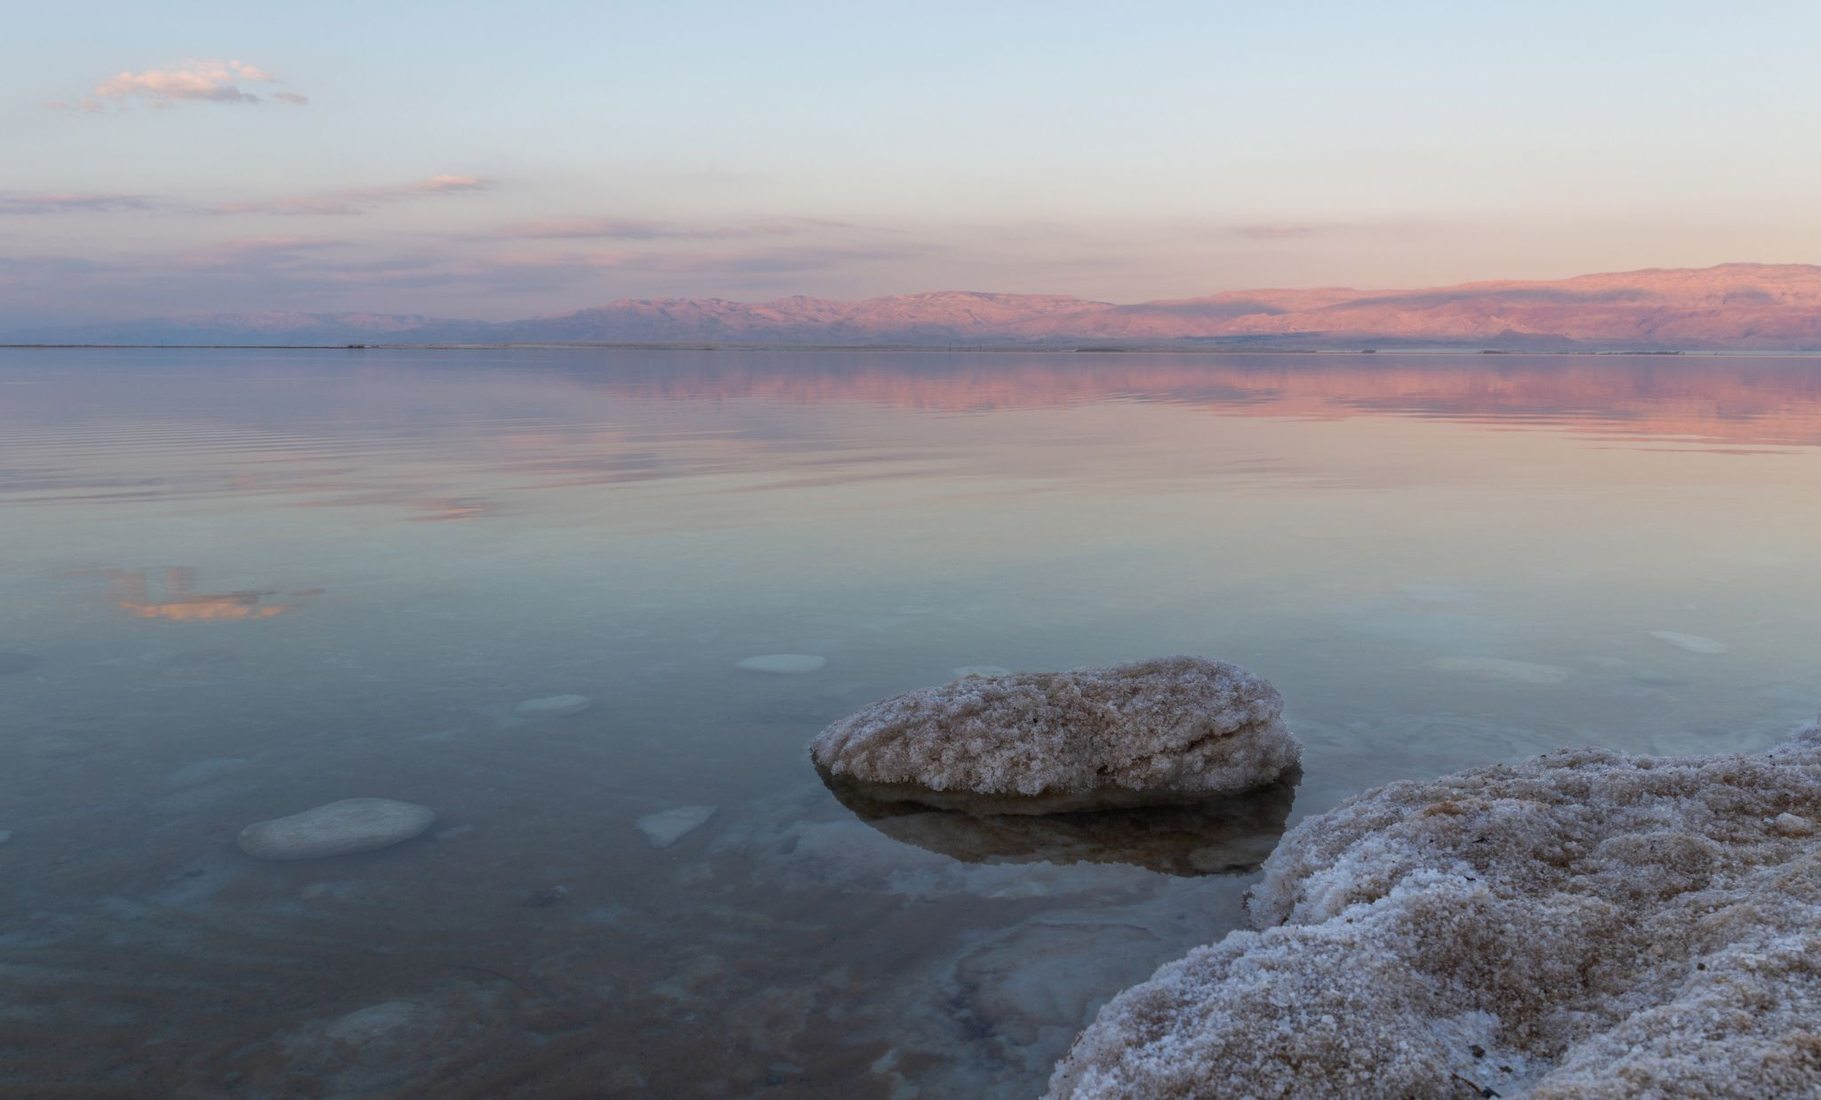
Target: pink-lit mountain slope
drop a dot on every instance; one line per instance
(1732, 307)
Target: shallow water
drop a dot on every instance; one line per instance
(238, 584)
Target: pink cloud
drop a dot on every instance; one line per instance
(646, 229)
(357, 200)
(1277, 231)
(188, 81)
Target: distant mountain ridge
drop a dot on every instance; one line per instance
(1731, 307)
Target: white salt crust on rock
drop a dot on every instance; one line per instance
(1172, 729)
(1583, 924)
(339, 828)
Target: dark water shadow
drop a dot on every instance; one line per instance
(11, 662)
(1231, 834)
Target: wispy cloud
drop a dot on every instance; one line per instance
(70, 202)
(1294, 230)
(356, 200)
(249, 253)
(647, 229)
(1279, 231)
(352, 200)
(771, 260)
(185, 82)
(775, 261)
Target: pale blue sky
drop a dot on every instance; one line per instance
(586, 151)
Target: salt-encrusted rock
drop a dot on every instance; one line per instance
(784, 664)
(1170, 730)
(552, 706)
(1584, 924)
(351, 825)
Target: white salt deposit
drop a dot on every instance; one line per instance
(1161, 730)
(1498, 668)
(552, 706)
(1693, 643)
(1792, 824)
(666, 827)
(1583, 924)
(373, 1022)
(351, 825)
(783, 663)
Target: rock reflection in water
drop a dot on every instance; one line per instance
(1230, 834)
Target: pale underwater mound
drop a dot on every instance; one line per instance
(783, 664)
(339, 828)
(553, 706)
(1168, 730)
(1583, 924)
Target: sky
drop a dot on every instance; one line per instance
(475, 159)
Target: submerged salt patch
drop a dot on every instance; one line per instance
(1498, 668)
(666, 827)
(1691, 643)
(1160, 730)
(339, 828)
(553, 706)
(1584, 923)
(783, 663)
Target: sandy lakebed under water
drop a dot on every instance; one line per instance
(238, 584)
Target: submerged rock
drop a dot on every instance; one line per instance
(783, 663)
(1691, 643)
(1581, 924)
(666, 827)
(553, 706)
(351, 825)
(383, 1049)
(1175, 729)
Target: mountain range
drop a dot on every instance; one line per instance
(1731, 307)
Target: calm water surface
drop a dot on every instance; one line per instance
(234, 585)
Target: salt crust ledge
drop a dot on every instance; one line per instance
(1583, 924)
(1167, 729)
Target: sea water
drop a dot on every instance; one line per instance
(238, 584)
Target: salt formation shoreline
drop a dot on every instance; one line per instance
(1581, 924)
(1175, 729)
